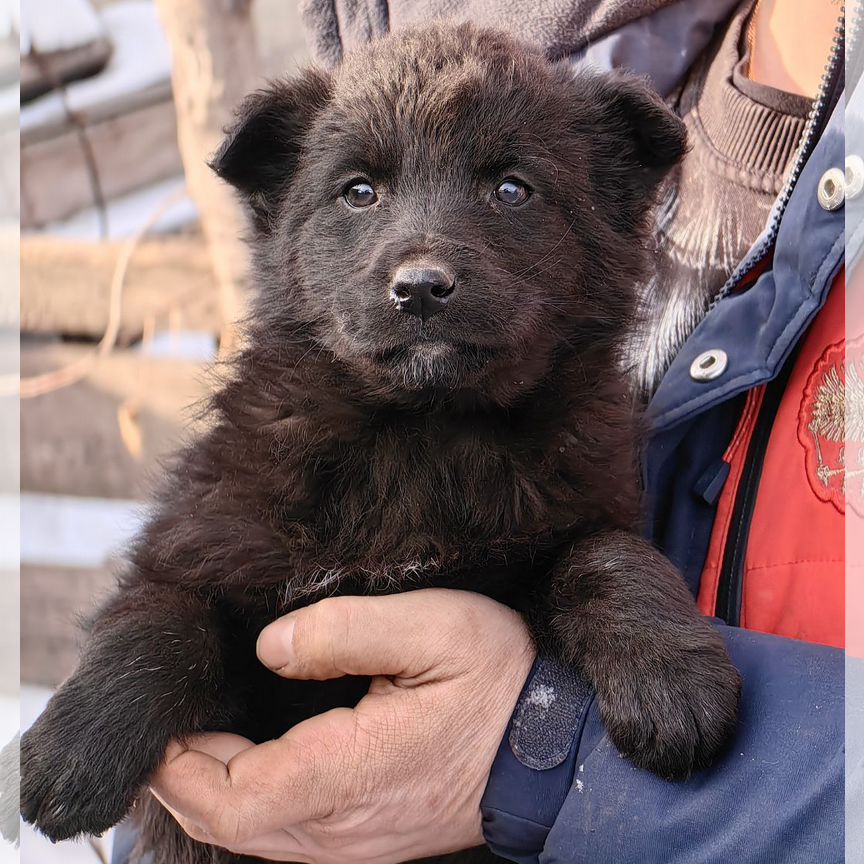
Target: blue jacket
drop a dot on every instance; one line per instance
(559, 792)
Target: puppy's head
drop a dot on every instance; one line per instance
(449, 211)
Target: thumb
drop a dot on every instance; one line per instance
(399, 635)
(236, 791)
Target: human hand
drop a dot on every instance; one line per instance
(397, 778)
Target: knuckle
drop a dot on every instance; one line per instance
(308, 630)
(335, 611)
(467, 630)
(469, 619)
(319, 629)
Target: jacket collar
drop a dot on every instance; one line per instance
(758, 328)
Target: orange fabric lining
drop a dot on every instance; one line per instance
(735, 456)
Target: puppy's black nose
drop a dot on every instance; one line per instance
(422, 290)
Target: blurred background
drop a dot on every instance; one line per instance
(132, 272)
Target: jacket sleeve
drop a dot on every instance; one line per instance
(560, 792)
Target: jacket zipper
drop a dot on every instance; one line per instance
(730, 587)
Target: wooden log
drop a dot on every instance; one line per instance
(104, 436)
(214, 66)
(131, 150)
(65, 287)
(39, 75)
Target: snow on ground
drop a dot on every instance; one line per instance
(44, 29)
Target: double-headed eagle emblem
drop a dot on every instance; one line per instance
(833, 411)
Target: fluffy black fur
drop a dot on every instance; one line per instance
(356, 449)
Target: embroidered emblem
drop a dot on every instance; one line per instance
(831, 426)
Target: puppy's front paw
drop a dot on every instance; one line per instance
(72, 779)
(672, 714)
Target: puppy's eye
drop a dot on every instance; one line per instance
(512, 192)
(360, 194)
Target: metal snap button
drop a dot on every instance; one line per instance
(709, 365)
(832, 189)
(854, 175)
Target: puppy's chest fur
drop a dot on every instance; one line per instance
(301, 489)
(440, 502)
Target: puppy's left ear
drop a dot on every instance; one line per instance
(262, 148)
(654, 134)
(637, 139)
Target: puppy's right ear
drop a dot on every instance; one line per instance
(261, 150)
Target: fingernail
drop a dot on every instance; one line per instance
(276, 644)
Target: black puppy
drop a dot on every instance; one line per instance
(448, 232)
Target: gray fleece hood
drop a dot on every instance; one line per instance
(657, 38)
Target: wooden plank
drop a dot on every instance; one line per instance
(65, 287)
(53, 601)
(131, 150)
(48, 127)
(104, 436)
